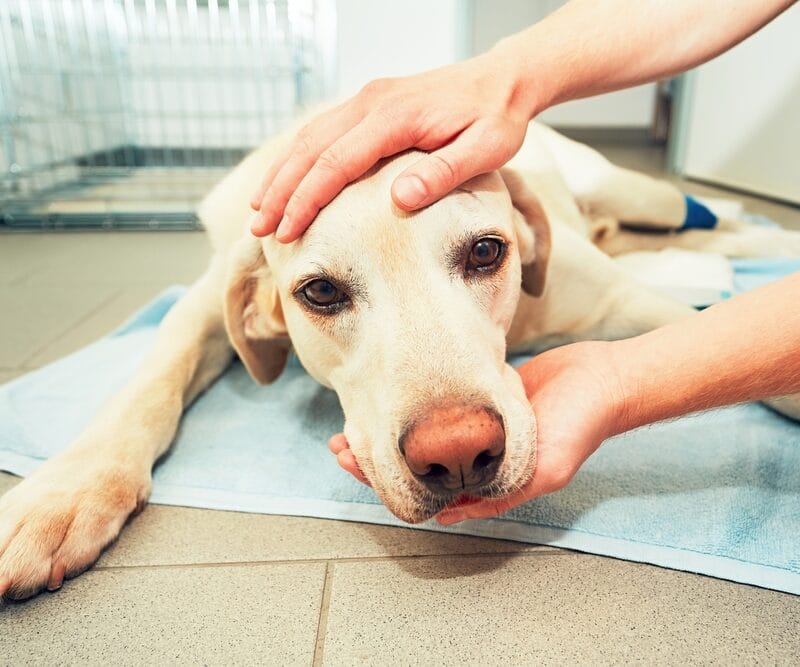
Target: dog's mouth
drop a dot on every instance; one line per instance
(414, 504)
(414, 498)
(426, 505)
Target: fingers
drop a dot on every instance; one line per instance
(342, 147)
(337, 443)
(346, 459)
(480, 148)
(286, 172)
(548, 477)
(485, 509)
(347, 159)
(275, 166)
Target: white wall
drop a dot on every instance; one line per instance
(495, 19)
(396, 37)
(377, 38)
(743, 114)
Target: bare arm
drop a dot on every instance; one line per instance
(586, 47)
(744, 349)
(472, 116)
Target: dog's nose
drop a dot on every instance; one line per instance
(455, 448)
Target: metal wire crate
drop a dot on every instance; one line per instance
(125, 112)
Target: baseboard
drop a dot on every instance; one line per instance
(129, 155)
(612, 136)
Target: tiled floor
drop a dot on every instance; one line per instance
(194, 586)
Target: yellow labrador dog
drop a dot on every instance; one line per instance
(407, 316)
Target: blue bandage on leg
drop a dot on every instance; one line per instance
(697, 215)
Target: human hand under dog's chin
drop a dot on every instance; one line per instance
(576, 393)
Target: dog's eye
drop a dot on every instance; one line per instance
(485, 254)
(322, 293)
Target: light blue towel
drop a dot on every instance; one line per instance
(716, 493)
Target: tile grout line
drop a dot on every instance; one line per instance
(355, 559)
(322, 625)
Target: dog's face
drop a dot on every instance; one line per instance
(405, 317)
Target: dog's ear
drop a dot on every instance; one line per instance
(533, 232)
(253, 313)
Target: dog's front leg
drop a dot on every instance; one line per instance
(55, 523)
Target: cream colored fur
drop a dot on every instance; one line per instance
(418, 332)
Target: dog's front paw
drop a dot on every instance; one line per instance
(56, 523)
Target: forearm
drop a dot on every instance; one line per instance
(589, 47)
(744, 349)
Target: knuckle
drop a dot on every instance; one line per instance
(389, 112)
(376, 87)
(305, 142)
(494, 136)
(331, 161)
(557, 479)
(499, 140)
(501, 507)
(304, 133)
(301, 206)
(442, 170)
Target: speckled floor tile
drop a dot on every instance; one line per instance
(116, 310)
(548, 609)
(254, 614)
(174, 535)
(40, 314)
(21, 254)
(122, 258)
(8, 375)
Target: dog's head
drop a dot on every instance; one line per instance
(405, 316)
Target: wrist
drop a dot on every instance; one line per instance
(625, 388)
(526, 96)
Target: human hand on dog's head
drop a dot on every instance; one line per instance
(471, 116)
(575, 394)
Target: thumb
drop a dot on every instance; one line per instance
(485, 509)
(477, 150)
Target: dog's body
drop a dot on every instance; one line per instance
(407, 316)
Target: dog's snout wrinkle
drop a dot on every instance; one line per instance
(455, 448)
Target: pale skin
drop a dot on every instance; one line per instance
(471, 117)
(744, 349)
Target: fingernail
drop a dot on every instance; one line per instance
(410, 191)
(282, 233)
(257, 224)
